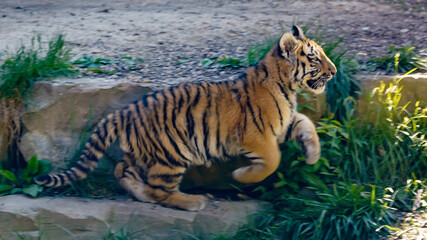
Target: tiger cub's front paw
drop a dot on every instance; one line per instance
(311, 146)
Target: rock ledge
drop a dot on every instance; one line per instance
(79, 218)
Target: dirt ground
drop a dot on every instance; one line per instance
(174, 36)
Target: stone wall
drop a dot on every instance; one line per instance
(59, 111)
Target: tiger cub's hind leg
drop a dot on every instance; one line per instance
(163, 187)
(129, 178)
(265, 159)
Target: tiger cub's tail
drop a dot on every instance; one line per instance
(102, 137)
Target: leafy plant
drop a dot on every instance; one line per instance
(383, 146)
(20, 71)
(400, 60)
(21, 180)
(92, 62)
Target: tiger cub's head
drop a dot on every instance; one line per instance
(311, 67)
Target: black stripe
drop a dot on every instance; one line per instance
(197, 97)
(279, 50)
(260, 118)
(173, 143)
(242, 76)
(197, 146)
(81, 167)
(272, 130)
(218, 127)
(282, 89)
(278, 109)
(253, 115)
(264, 68)
(145, 100)
(253, 158)
(174, 121)
(137, 134)
(295, 125)
(297, 70)
(160, 187)
(163, 162)
(303, 68)
(131, 173)
(170, 158)
(206, 131)
(289, 130)
(96, 146)
(168, 178)
(55, 180)
(71, 175)
(129, 131)
(61, 179)
(180, 102)
(122, 119)
(190, 123)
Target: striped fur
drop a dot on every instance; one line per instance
(170, 130)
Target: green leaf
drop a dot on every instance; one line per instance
(5, 187)
(32, 167)
(206, 62)
(294, 163)
(33, 190)
(44, 167)
(8, 175)
(16, 190)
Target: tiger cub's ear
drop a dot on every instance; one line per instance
(297, 32)
(290, 41)
(287, 45)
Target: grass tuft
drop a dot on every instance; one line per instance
(20, 71)
(401, 60)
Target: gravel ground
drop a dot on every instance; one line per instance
(173, 37)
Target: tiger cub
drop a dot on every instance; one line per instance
(167, 131)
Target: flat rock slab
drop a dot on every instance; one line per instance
(79, 218)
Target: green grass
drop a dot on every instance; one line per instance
(400, 60)
(372, 164)
(343, 211)
(258, 51)
(20, 71)
(385, 145)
